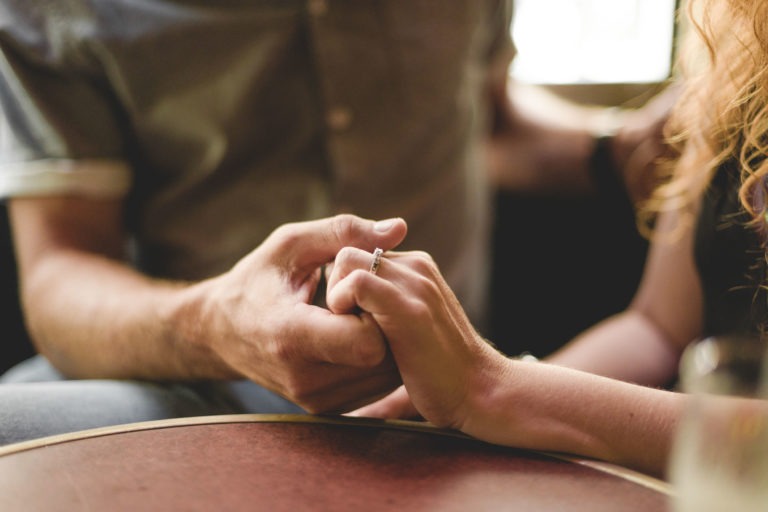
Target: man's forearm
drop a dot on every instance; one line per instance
(540, 143)
(94, 317)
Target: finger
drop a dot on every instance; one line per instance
(348, 260)
(408, 271)
(349, 394)
(349, 293)
(307, 245)
(400, 268)
(352, 340)
(396, 405)
(408, 301)
(351, 258)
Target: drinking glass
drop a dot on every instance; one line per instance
(720, 456)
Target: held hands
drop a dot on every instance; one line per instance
(445, 365)
(259, 318)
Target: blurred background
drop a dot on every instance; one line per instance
(560, 263)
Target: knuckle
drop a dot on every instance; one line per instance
(424, 256)
(426, 288)
(423, 263)
(285, 236)
(358, 278)
(343, 227)
(418, 310)
(347, 257)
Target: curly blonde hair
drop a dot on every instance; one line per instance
(722, 114)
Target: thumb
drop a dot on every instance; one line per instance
(307, 245)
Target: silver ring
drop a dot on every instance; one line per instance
(376, 260)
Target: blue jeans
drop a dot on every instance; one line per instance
(37, 401)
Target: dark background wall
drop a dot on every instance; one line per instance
(560, 265)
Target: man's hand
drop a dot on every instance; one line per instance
(639, 143)
(542, 143)
(259, 318)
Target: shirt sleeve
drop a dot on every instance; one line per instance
(59, 126)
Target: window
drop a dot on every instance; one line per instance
(593, 41)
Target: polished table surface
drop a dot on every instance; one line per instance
(286, 462)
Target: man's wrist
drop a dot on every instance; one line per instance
(190, 331)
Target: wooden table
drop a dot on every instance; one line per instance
(286, 462)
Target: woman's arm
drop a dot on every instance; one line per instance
(456, 379)
(546, 407)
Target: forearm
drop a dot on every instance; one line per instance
(543, 161)
(542, 144)
(546, 407)
(627, 347)
(456, 379)
(95, 317)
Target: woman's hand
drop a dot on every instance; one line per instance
(445, 365)
(456, 379)
(397, 405)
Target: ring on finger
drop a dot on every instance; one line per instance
(376, 260)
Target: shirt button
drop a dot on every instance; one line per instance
(339, 118)
(317, 7)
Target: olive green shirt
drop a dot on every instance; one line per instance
(217, 121)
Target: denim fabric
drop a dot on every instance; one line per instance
(37, 401)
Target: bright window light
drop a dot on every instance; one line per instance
(593, 41)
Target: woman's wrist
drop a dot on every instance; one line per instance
(488, 400)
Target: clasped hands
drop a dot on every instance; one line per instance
(402, 324)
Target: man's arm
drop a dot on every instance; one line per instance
(94, 316)
(541, 143)
(88, 311)
(537, 142)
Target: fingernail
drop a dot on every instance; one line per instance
(384, 225)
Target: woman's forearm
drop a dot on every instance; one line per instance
(545, 407)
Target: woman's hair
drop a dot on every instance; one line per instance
(722, 113)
